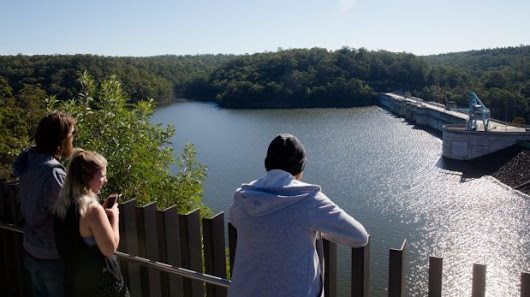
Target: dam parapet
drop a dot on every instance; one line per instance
(422, 113)
(458, 143)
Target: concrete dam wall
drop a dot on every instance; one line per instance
(421, 113)
(458, 143)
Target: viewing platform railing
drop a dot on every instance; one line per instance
(164, 253)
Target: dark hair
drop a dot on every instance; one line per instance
(287, 153)
(52, 131)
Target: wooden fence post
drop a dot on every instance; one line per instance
(214, 251)
(190, 246)
(330, 268)
(525, 284)
(169, 243)
(232, 244)
(6, 247)
(479, 280)
(16, 254)
(360, 271)
(4, 251)
(435, 276)
(145, 223)
(129, 245)
(396, 271)
(148, 248)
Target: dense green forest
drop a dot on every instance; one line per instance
(313, 77)
(349, 77)
(500, 77)
(291, 78)
(162, 77)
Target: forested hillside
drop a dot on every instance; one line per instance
(161, 78)
(349, 77)
(312, 78)
(500, 77)
(480, 61)
(286, 78)
(291, 78)
(27, 81)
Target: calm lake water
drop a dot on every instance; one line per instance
(385, 172)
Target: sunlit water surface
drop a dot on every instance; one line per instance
(388, 174)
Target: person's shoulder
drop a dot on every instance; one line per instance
(318, 197)
(247, 186)
(51, 168)
(20, 165)
(58, 171)
(57, 174)
(94, 210)
(55, 165)
(301, 183)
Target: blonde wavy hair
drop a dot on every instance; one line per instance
(81, 169)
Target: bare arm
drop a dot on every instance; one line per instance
(104, 226)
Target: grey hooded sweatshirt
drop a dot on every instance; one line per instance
(41, 179)
(278, 220)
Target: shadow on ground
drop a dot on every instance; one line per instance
(511, 166)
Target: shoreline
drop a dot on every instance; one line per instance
(510, 166)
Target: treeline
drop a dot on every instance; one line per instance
(19, 116)
(500, 77)
(141, 164)
(286, 78)
(290, 78)
(162, 77)
(479, 61)
(27, 81)
(310, 78)
(349, 77)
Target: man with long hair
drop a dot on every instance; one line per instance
(41, 178)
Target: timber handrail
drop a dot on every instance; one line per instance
(209, 279)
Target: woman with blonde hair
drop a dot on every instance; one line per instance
(86, 233)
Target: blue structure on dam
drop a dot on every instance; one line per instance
(459, 142)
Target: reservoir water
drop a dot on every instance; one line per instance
(386, 173)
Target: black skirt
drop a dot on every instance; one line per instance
(87, 271)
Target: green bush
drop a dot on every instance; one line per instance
(519, 120)
(19, 115)
(139, 153)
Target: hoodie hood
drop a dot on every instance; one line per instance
(30, 159)
(276, 190)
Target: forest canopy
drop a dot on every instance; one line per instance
(313, 77)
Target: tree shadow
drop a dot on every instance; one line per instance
(462, 168)
(414, 126)
(479, 167)
(432, 131)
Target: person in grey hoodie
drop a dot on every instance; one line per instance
(278, 219)
(41, 179)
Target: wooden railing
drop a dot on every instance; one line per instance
(164, 253)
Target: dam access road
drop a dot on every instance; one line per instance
(458, 143)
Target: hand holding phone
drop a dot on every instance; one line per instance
(111, 200)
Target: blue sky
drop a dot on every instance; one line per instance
(156, 27)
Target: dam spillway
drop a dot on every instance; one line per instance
(458, 143)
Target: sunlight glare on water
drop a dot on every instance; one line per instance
(388, 174)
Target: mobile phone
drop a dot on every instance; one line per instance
(110, 200)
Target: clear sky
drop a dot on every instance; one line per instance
(159, 27)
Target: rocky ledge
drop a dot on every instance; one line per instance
(510, 166)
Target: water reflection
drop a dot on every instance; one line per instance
(469, 226)
(390, 175)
